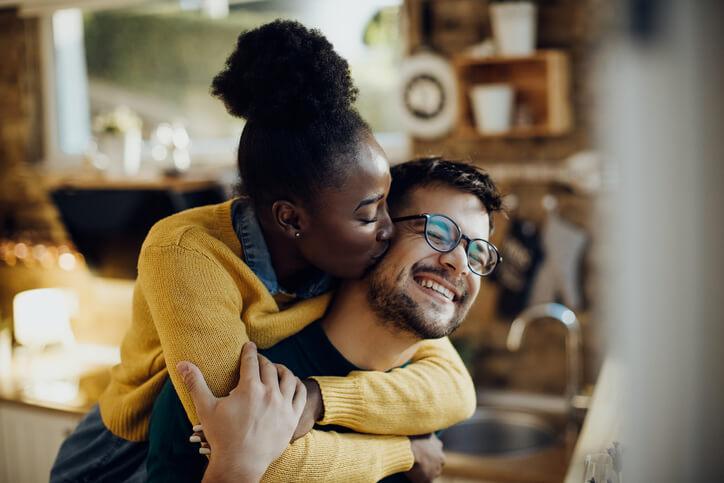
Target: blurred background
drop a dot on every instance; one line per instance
(601, 121)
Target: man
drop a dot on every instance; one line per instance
(422, 289)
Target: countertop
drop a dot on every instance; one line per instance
(68, 380)
(603, 423)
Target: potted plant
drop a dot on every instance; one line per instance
(514, 26)
(119, 137)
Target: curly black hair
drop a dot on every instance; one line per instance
(297, 95)
(431, 170)
(284, 73)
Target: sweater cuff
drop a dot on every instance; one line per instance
(399, 458)
(343, 403)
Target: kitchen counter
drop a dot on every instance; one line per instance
(603, 423)
(69, 382)
(66, 380)
(43, 396)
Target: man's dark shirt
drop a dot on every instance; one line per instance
(171, 457)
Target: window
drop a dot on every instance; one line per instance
(158, 59)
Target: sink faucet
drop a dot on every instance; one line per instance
(573, 340)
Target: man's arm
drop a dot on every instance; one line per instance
(434, 392)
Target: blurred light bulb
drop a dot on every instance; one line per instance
(21, 250)
(164, 133)
(66, 261)
(159, 152)
(180, 137)
(39, 251)
(181, 160)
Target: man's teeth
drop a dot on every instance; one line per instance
(437, 288)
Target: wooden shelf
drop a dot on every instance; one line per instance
(541, 85)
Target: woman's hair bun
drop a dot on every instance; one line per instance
(283, 73)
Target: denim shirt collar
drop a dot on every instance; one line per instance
(257, 258)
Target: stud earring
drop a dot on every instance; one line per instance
(297, 234)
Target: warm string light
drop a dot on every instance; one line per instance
(28, 254)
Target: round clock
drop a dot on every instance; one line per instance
(427, 96)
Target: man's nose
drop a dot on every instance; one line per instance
(385, 227)
(456, 261)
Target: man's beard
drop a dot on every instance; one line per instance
(397, 310)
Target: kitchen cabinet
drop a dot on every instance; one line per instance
(29, 440)
(42, 399)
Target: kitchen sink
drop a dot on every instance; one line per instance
(500, 432)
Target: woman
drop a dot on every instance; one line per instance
(260, 268)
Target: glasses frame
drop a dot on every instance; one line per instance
(462, 236)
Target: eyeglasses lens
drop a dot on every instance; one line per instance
(481, 258)
(442, 233)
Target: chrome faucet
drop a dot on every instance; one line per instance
(573, 341)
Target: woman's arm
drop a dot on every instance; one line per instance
(321, 456)
(198, 321)
(196, 305)
(433, 392)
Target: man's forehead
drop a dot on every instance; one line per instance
(465, 208)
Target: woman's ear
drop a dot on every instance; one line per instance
(289, 217)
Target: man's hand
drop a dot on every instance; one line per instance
(251, 427)
(429, 458)
(313, 409)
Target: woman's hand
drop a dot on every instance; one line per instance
(251, 427)
(313, 409)
(429, 458)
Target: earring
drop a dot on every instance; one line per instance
(297, 234)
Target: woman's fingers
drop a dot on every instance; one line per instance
(200, 393)
(197, 437)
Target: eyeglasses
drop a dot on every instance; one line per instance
(444, 235)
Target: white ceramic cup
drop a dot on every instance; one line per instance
(492, 107)
(514, 27)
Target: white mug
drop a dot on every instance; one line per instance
(492, 107)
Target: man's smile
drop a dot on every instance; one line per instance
(437, 287)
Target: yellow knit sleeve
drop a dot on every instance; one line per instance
(195, 310)
(329, 456)
(434, 392)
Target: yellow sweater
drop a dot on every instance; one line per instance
(195, 299)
